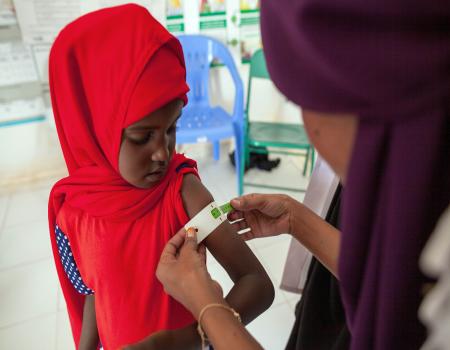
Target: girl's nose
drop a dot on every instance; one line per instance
(162, 153)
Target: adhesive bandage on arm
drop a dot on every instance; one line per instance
(208, 219)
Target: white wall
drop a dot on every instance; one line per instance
(29, 152)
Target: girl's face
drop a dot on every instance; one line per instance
(148, 145)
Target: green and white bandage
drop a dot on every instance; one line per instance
(208, 219)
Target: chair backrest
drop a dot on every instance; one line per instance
(258, 69)
(199, 52)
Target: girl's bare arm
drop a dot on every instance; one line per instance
(89, 338)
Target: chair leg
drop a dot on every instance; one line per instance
(216, 150)
(305, 166)
(246, 154)
(239, 160)
(313, 159)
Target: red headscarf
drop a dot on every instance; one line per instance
(108, 69)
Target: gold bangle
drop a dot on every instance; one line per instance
(200, 330)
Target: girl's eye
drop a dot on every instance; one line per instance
(141, 140)
(172, 129)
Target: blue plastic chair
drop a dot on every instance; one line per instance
(200, 122)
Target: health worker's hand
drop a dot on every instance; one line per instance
(182, 271)
(264, 214)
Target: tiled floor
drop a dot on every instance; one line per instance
(32, 309)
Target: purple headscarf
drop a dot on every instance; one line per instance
(389, 63)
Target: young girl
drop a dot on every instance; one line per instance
(117, 81)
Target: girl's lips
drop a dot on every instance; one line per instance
(155, 175)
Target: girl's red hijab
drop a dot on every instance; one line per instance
(108, 69)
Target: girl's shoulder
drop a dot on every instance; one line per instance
(194, 194)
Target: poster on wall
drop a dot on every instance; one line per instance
(250, 34)
(175, 16)
(18, 111)
(213, 19)
(16, 64)
(41, 52)
(7, 14)
(41, 20)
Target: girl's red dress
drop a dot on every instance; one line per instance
(108, 69)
